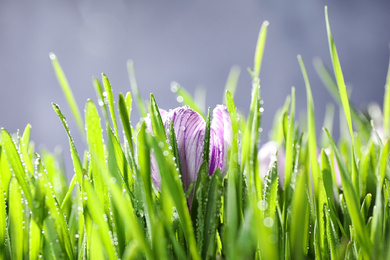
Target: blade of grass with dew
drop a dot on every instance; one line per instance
(232, 80)
(331, 235)
(5, 170)
(16, 164)
(184, 97)
(55, 213)
(16, 217)
(124, 107)
(110, 99)
(78, 168)
(169, 176)
(352, 201)
(67, 92)
(102, 99)
(23, 148)
(299, 213)
(233, 208)
(212, 215)
(172, 182)
(289, 157)
(386, 106)
(97, 214)
(95, 143)
(134, 88)
(173, 142)
(3, 223)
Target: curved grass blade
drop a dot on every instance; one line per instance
(339, 75)
(78, 168)
(15, 163)
(110, 99)
(67, 92)
(260, 49)
(124, 106)
(23, 148)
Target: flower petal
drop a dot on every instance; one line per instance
(268, 153)
(221, 139)
(190, 131)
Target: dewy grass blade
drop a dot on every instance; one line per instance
(352, 201)
(16, 217)
(102, 99)
(67, 92)
(97, 214)
(134, 88)
(15, 163)
(78, 168)
(23, 148)
(260, 49)
(125, 118)
(289, 155)
(3, 222)
(96, 146)
(339, 75)
(110, 99)
(386, 106)
(299, 213)
(206, 149)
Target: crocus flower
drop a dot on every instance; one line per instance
(190, 128)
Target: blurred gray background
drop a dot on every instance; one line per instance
(192, 42)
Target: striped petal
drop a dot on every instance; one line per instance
(190, 131)
(221, 139)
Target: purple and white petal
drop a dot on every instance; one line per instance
(221, 139)
(189, 130)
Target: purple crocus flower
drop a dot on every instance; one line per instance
(190, 128)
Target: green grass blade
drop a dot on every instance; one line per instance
(78, 168)
(386, 106)
(260, 49)
(352, 201)
(15, 163)
(102, 99)
(212, 215)
(339, 76)
(124, 106)
(289, 155)
(134, 88)
(16, 217)
(300, 216)
(206, 149)
(97, 214)
(24, 149)
(3, 223)
(110, 99)
(96, 147)
(67, 92)
(35, 237)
